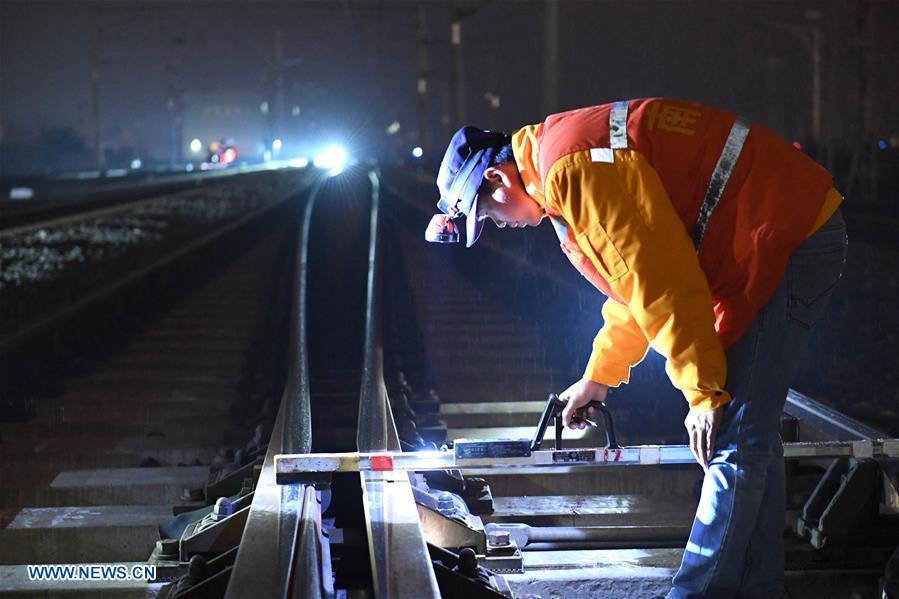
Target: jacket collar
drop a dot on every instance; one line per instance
(525, 149)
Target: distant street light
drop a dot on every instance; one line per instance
(196, 145)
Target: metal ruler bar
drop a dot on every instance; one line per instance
(291, 468)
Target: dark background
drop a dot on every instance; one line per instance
(95, 85)
(143, 69)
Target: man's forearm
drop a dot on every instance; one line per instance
(619, 345)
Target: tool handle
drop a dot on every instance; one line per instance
(553, 409)
(549, 411)
(581, 414)
(611, 440)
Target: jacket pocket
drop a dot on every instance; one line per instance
(601, 251)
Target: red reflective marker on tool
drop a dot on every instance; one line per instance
(381, 463)
(611, 455)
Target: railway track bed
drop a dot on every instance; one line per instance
(333, 332)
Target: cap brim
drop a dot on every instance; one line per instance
(465, 185)
(473, 226)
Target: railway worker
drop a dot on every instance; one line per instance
(717, 243)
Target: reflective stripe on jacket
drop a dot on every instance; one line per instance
(626, 203)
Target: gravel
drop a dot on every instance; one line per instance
(43, 269)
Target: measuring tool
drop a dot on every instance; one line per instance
(502, 454)
(553, 409)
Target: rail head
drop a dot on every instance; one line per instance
(281, 553)
(400, 563)
(278, 539)
(376, 427)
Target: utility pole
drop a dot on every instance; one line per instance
(174, 138)
(457, 83)
(838, 33)
(872, 101)
(814, 16)
(175, 106)
(422, 77)
(95, 87)
(457, 80)
(862, 178)
(177, 95)
(492, 98)
(550, 56)
(279, 84)
(811, 37)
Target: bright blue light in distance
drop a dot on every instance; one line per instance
(333, 158)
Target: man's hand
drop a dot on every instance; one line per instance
(577, 396)
(702, 426)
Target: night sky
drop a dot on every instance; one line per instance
(352, 67)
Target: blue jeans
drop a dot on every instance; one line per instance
(736, 543)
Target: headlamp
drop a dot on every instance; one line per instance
(442, 229)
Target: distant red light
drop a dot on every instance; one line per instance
(229, 155)
(797, 145)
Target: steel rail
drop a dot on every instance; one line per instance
(376, 428)
(829, 423)
(400, 562)
(20, 217)
(281, 554)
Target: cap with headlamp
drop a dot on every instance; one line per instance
(470, 153)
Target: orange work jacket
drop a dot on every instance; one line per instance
(625, 205)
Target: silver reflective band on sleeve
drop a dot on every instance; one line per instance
(617, 134)
(602, 155)
(618, 126)
(720, 175)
